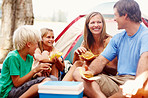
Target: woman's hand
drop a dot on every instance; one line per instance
(80, 50)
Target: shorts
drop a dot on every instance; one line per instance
(17, 92)
(53, 78)
(109, 85)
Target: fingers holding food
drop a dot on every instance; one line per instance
(88, 56)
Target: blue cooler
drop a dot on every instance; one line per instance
(61, 89)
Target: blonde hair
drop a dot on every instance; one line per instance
(44, 31)
(88, 37)
(24, 34)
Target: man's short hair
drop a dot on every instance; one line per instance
(129, 7)
(24, 34)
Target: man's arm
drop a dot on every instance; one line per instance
(98, 64)
(142, 64)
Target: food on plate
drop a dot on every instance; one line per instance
(88, 74)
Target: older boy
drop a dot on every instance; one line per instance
(15, 80)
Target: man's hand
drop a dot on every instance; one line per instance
(87, 75)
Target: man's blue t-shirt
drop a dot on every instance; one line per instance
(128, 50)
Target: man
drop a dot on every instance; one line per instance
(130, 47)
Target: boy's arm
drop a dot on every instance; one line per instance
(17, 81)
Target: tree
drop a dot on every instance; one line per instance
(14, 14)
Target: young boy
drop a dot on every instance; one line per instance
(15, 80)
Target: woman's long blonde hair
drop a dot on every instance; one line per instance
(88, 37)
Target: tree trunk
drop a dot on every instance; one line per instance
(15, 13)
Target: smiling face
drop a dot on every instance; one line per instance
(119, 19)
(48, 39)
(95, 24)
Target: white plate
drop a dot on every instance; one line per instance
(92, 78)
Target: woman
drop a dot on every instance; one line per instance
(95, 40)
(45, 50)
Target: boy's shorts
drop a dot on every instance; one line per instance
(110, 84)
(17, 92)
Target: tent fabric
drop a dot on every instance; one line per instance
(77, 43)
(70, 36)
(74, 21)
(145, 21)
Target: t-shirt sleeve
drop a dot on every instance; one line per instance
(144, 43)
(14, 66)
(110, 52)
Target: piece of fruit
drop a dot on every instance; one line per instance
(88, 74)
(88, 56)
(57, 54)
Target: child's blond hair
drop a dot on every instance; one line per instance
(44, 31)
(24, 34)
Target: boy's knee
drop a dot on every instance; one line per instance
(46, 79)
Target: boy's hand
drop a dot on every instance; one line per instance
(42, 66)
(46, 73)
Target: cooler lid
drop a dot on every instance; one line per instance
(61, 85)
